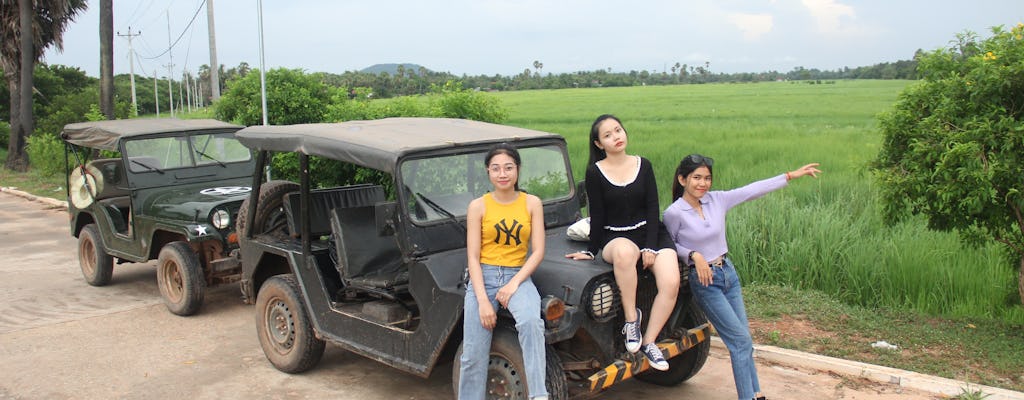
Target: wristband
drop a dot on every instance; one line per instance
(646, 250)
(788, 176)
(587, 252)
(690, 254)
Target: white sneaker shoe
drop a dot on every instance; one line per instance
(655, 357)
(632, 332)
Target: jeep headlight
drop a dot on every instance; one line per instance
(603, 300)
(220, 219)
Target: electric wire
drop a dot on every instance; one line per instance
(182, 32)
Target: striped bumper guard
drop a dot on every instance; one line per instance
(632, 364)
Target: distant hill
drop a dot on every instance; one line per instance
(392, 68)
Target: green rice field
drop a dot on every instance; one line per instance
(826, 234)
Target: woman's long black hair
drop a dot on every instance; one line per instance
(596, 154)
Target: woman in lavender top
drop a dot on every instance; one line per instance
(696, 223)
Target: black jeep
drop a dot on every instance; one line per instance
(164, 189)
(379, 268)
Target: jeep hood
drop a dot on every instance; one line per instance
(195, 201)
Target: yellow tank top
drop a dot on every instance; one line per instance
(505, 232)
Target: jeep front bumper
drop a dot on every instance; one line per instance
(632, 364)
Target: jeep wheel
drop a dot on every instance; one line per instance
(686, 365)
(180, 278)
(506, 371)
(97, 266)
(270, 215)
(284, 328)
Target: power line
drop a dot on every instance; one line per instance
(182, 32)
(138, 6)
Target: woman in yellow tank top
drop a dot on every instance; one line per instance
(504, 245)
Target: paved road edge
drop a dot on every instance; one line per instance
(40, 199)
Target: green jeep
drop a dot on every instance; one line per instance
(164, 189)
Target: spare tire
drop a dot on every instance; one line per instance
(270, 214)
(84, 182)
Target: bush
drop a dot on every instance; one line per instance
(45, 153)
(5, 134)
(293, 97)
(452, 101)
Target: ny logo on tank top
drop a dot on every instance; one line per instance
(511, 232)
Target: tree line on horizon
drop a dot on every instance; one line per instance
(55, 82)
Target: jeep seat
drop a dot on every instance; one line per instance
(112, 173)
(324, 200)
(365, 260)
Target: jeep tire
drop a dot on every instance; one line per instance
(180, 278)
(506, 371)
(686, 365)
(270, 216)
(97, 266)
(284, 328)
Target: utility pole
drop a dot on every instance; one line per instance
(181, 97)
(189, 94)
(156, 94)
(131, 66)
(263, 68)
(170, 65)
(214, 67)
(170, 89)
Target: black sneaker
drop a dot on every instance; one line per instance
(632, 332)
(654, 357)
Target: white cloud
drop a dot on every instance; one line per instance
(829, 15)
(753, 26)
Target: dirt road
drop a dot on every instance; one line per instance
(63, 339)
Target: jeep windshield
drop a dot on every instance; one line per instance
(441, 187)
(169, 152)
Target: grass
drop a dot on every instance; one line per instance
(976, 350)
(826, 234)
(33, 181)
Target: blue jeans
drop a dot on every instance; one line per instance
(476, 341)
(722, 301)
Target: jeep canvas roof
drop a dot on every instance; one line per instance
(105, 135)
(378, 144)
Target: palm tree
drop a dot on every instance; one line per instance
(47, 21)
(107, 58)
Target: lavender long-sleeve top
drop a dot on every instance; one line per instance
(707, 236)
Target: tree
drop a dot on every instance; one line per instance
(46, 22)
(953, 147)
(293, 97)
(107, 58)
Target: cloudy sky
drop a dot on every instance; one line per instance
(505, 36)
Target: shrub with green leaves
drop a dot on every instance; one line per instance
(452, 101)
(46, 153)
(953, 147)
(5, 133)
(293, 97)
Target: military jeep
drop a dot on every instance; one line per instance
(379, 268)
(164, 189)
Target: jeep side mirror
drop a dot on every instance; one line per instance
(384, 215)
(581, 193)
